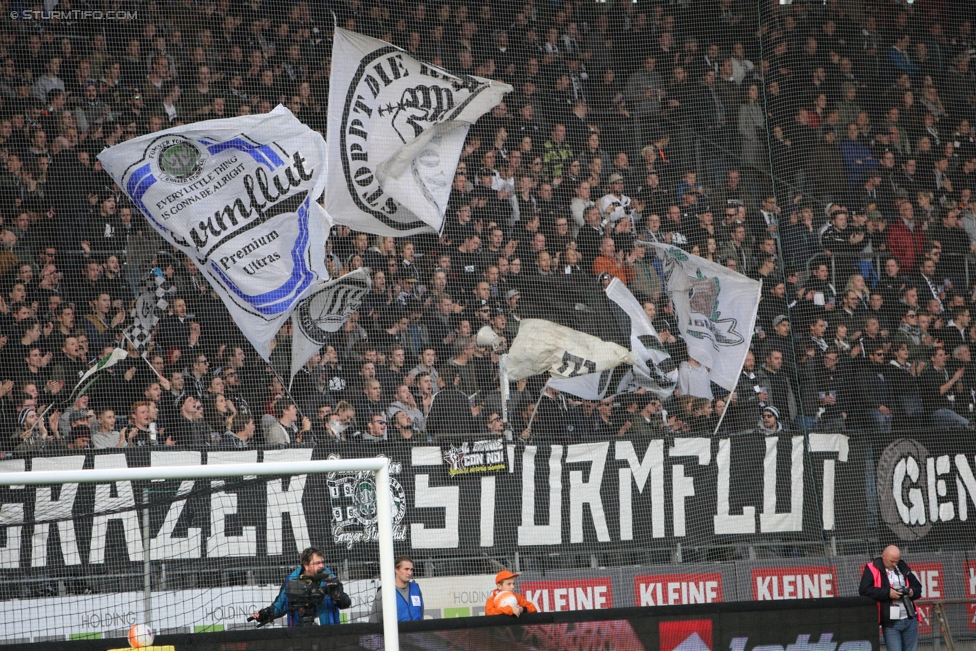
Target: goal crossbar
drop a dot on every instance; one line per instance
(384, 506)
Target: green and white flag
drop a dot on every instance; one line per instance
(93, 374)
(716, 310)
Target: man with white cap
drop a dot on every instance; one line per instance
(615, 205)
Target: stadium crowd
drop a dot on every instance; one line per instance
(825, 149)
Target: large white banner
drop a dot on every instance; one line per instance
(716, 309)
(238, 196)
(396, 129)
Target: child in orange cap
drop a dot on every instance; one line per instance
(512, 604)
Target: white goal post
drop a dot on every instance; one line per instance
(378, 465)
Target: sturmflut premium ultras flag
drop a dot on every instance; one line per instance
(716, 310)
(396, 129)
(238, 196)
(589, 367)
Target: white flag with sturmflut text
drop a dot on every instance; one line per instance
(238, 196)
(396, 129)
(716, 310)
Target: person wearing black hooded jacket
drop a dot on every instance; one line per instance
(450, 412)
(887, 579)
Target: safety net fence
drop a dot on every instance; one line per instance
(746, 229)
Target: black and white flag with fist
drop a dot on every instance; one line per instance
(396, 129)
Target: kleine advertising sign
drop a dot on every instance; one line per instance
(578, 594)
(932, 576)
(801, 582)
(677, 589)
(969, 573)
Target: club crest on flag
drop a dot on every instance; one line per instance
(353, 503)
(714, 306)
(176, 159)
(704, 294)
(324, 312)
(704, 302)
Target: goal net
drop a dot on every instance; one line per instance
(179, 546)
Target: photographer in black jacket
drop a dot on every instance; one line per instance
(889, 581)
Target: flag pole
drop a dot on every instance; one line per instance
(505, 391)
(537, 403)
(486, 337)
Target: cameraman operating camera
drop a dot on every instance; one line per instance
(310, 591)
(889, 581)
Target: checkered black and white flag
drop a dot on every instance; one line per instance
(151, 304)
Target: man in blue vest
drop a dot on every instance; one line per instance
(327, 612)
(410, 603)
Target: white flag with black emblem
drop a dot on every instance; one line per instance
(323, 313)
(396, 129)
(238, 196)
(716, 310)
(651, 365)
